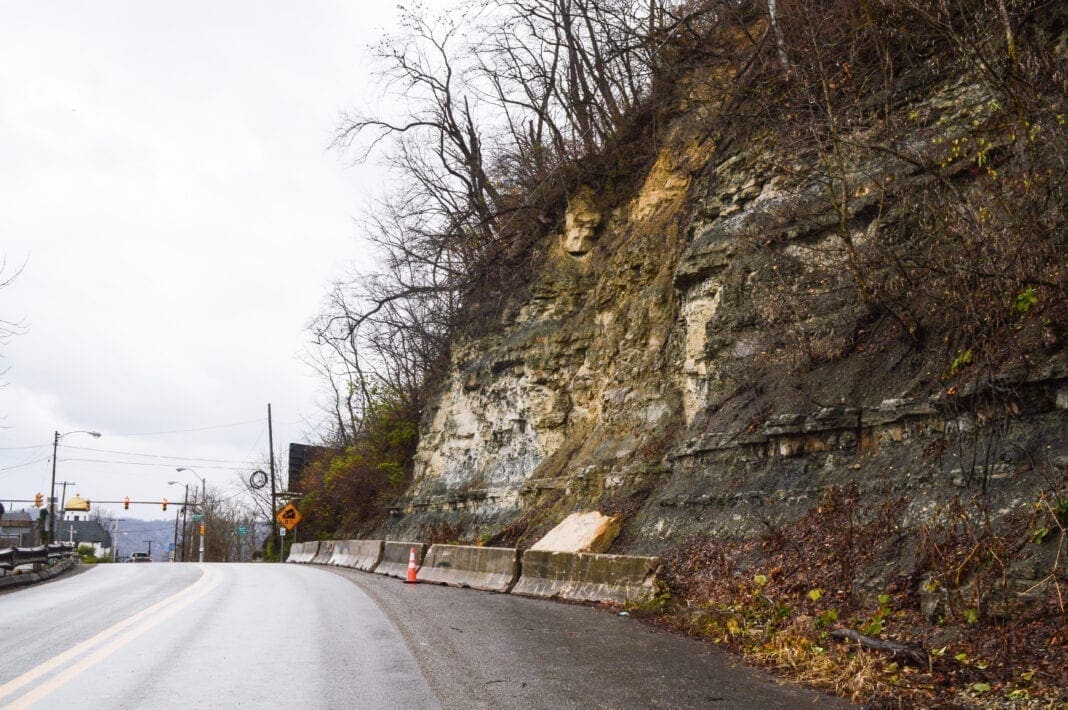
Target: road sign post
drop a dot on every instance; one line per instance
(288, 516)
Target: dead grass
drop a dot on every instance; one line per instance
(775, 600)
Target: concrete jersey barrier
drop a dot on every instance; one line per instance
(586, 576)
(303, 552)
(493, 569)
(326, 549)
(395, 558)
(357, 554)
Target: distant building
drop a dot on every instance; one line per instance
(18, 528)
(86, 532)
(77, 508)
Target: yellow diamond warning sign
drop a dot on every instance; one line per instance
(289, 516)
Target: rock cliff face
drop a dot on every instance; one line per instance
(646, 374)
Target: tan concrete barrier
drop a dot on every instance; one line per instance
(303, 551)
(395, 558)
(494, 569)
(586, 576)
(326, 549)
(357, 554)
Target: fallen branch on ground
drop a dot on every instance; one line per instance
(898, 652)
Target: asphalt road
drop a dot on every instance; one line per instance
(484, 650)
(203, 636)
(272, 636)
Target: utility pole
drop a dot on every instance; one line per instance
(185, 524)
(53, 527)
(196, 526)
(63, 500)
(274, 489)
(174, 545)
(52, 493)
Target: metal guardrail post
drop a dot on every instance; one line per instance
(30, 555)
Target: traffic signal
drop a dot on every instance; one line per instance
(164, 503)
(126, 503)
(38, 500)
(202, 528)
(87, 505)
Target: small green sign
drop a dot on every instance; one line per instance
(197, 517)
(242, 530)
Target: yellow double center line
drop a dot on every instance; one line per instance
(96, 649)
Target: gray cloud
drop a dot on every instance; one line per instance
(167, 182)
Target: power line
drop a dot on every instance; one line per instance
(150, 433)
(184, 431)
(27, 463)
(147, 463)
(160, 456)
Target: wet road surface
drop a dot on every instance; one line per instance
(484, 650)
(203, 636)
(260, 635)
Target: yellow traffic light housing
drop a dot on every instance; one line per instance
(126, 503)
(38, 500)
(164, 503)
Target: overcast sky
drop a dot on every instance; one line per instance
(167, 186)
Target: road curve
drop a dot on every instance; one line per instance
(260, 635)
(203, 636)
(484, 650)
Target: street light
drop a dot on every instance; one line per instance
(52, 527)
(185, 501)
(204, 496)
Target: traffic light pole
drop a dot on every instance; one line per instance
(203, 526)
(174, 545)
(185, 528)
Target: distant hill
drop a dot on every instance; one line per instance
(134, 536)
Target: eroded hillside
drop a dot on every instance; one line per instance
(696, 354)
(797, 316)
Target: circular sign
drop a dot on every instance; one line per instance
(258, 479)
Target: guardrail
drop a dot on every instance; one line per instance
(13, 557)
(47, 561)
(60, 549)
(579, 576)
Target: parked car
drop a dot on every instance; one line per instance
(140, 557)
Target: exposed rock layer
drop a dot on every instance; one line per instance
(641, 377)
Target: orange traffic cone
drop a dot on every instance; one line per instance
(412, 568)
